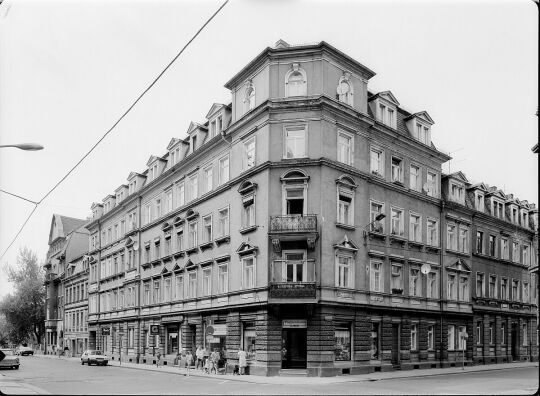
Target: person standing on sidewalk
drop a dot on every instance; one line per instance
(199, 354)
(189, 361)
(158, 360)
(242, 361)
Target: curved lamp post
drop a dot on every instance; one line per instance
(25, 146)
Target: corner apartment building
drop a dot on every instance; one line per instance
(68, 240)
(306, 223)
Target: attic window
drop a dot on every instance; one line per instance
(422, 133)
(345, 89)
(479, 202)
(387, 115)
(295, 81)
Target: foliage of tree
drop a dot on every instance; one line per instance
(24, 309)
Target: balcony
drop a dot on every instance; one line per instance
(293, 228)
(293, 280)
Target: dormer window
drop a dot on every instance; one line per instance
(497, 209)
(193, 143)
(345, 89)
(153, 171)
(295, 81)
(387, 115)
(422, 133)
(479, 202)
(249, 97)
(174, 156)
(524, 218)
(457, 193)
(132, 187)
(216, 126)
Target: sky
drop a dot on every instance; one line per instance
(69, 69)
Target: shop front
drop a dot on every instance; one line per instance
(294, 344)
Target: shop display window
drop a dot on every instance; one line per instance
(342, 342)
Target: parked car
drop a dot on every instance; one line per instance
(23, 351)
(10, 360)
(94, 356)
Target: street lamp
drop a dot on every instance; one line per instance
(379, 217)
(25, 146)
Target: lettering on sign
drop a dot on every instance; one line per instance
(154, 329)
(294, 323)
(377, 298)
(344, 294)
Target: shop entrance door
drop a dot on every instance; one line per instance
(395, 344)
(294, 349)
(514, 341)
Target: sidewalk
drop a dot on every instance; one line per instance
(254, 379)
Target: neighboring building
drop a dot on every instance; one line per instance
(65, 236)
(303, 223)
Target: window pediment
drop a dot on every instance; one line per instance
(247, 187)
(347, 181)
(246, 248)
(295, 176)
(459, 266)
(346, 245)
(191, 214)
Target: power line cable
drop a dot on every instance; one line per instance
(116, 123)
(18, 196)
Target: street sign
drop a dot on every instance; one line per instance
(154, 329)
(2, 356)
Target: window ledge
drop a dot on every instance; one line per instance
(397, 239)
(346, 226)
(222, 239)
(398, 183)
(247, 229)
(191, 250)
(433, 248)
(179, 254)
(458, 253)
(416, 244)
(375, 234)
(145, 265)
(206, 245)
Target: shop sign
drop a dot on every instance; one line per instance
(173, 318)
(294, 323)
(154, 329)
(212, 340)
(220, 330)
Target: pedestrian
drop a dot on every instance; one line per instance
(242, 361)
(158, 360)
(199, 354)
(214, 358)
(189, 362)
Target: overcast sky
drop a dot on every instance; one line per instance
(69, 69)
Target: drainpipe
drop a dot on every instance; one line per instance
(138, 286)
(441, 260)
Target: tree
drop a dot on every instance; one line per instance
(24, 310)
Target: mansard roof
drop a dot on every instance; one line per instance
(385, 95)
(214, 109)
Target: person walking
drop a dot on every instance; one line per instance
(199, 354)
(242, 361)
(214, 359)
(158, 359)
(189, 362)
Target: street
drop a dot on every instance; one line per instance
(68, 376)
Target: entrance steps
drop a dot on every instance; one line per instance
(293, 373)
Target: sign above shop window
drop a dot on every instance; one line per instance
(294, 323)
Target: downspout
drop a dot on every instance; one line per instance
(441, 260)
(138, 284)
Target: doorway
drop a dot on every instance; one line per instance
(294, 349)
(395, 344)
(514, 341)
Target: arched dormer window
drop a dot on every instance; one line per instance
(294, 184)
(295, 81)
(345, 90)
(249, 97)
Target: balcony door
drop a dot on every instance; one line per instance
(294, 266)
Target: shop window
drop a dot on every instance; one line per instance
(414, 337)
(431, 337)
(375, 340)
(451, 337)
(249, 340)
(342, 342)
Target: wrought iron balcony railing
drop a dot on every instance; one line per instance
(293, 223)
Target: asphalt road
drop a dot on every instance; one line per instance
(61, 376)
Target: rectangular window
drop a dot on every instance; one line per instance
(147, 293)
(167, 290)
(207, 229)
(503, 333)
(343, 271)
(525, 292)
(432, 285)
(192, 284)
(375, 210)
(464, 288)
(493, 286)
(375, 328)
(156, 297)
(207, 281)
(397, 279)
(377, 162)
(415, 227)
(180, 239)
(414, 337)
(463, 239)
(432, 232)
(168, 201)
(192, 188)
(525, 255)
(249, 340)
(345, 207)
(491, 334)
(396, 222)
(431, 184)
(451, 240)
(451, 287)
(415, 178)
(451, 337)
(180, 194)
(223, 226)
(249, 153)
(223, 278)
(295, 142)
(480, 285)
(397, 170)
(207, 179)
(492, 245)
(504, 288)
(515, 290)
(505, 253)
(344, 144)
(457, 193)
(342, 342)
(224, 170)
(192, 230)
(248, 213)
(158, 208)
(479, 242)
(515, 252)
(479, 333)
(248, 272)
(479, 202)
(415, 284)
(376, 276)
(179, 287)
(431, 337)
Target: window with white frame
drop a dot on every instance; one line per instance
(192, 187)
(192, 234)
(167, 289)
(295, 141)
(168, 201)
(376, 208)
(294, 199)
(432, 285)
(504, 289)
(345, 147)
(464, 239)
(480, 285)
(515, 252)
(497, 209)
(223, 278)
(207, 229)
(431, 184)
(206, 281)
(180, 246)
(158, 207)
(396, 281)
(432, 232)
(415, 227)
(192, 284)
(464, 288)
(525, 258)
(451, 287)
(294, 266)
(492, 286)
(415, 178)
(451, 337)
(249, 153)
(345, 207)
(414, 337)
(387, 115)
(397, 170)
(344, 267)
(515, 290)
(179, 287)
(377, 161)
(207, 178)
(505, 251)
(147, 213)
(375, 276)
(492, 245)
(180, 194)
(295, 81)
(458, 192)
(224, 170)
(415, 283)
(423, 133)
(223, 222)
(396, 221)
(525, 292)
(431, 337)
(451, 239)
(248, 272)
(156, 296)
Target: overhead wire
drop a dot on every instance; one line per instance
(114, 125)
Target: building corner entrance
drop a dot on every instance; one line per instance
(294, 344)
